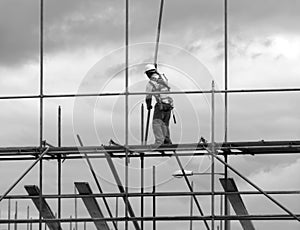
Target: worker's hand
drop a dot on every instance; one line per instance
(148, 103)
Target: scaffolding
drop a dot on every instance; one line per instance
(219, 152)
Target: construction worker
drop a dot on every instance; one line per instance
(163, 107)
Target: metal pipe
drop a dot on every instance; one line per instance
(28, 216)
(158, 31)
(23, 175)
(142, 166)
(256, 187)
(126, 108)
(234, 146)
(225, 72)
(121, 189)
(117, 211)
(59, 169)
(70, 222)
(190, 188)
(182, 154)
(41, 68)
(191, 207)
(221, 211)
(270, 217)
(41, 104)
(41, 191)
(153, 198)
(75, 211)
(233, 91)
(198, 151)
(8, 213)
(142, 190)
(226, 201)
(212, 158)
(16, 215)
(150, 194)
(96, 180)
(59, 127)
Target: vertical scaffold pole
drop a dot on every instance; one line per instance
(59, 163)
(16, 215)
(221, 211)
(154, 199)
(117, 211)
(75, 209)
(41, 104)
(191, 207)
(212, 158)
(28, 216)
(126, 109)
(8, 213)
(142, 167)
(226, 204)
(70, 222)
(142, 190)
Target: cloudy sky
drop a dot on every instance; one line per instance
(84, 52)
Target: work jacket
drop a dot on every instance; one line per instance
(159, 83)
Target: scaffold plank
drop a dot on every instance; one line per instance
(46, 211)
(237, 202)
(91, 204)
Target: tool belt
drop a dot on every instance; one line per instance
(165, 107)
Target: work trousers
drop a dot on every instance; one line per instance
(160, 123)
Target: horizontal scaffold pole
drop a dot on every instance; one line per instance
(111, 94)
(160, 218)
(187, 149)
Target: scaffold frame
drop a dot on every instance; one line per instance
(44, 151)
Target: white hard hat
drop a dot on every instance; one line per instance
(149, 67)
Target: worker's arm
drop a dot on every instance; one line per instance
(149, 89)
(163, 80)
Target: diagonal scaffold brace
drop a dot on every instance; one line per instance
(121, 189)
(190, 188)
(24, 174)
(97, 182)
(252, 184)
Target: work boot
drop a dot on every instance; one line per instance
(155, 146)
(167, 141)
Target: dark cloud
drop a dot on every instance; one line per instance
(19, 31)
(76, 24)
(257, 14)
(68, 24)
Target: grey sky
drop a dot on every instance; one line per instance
(77, 24)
